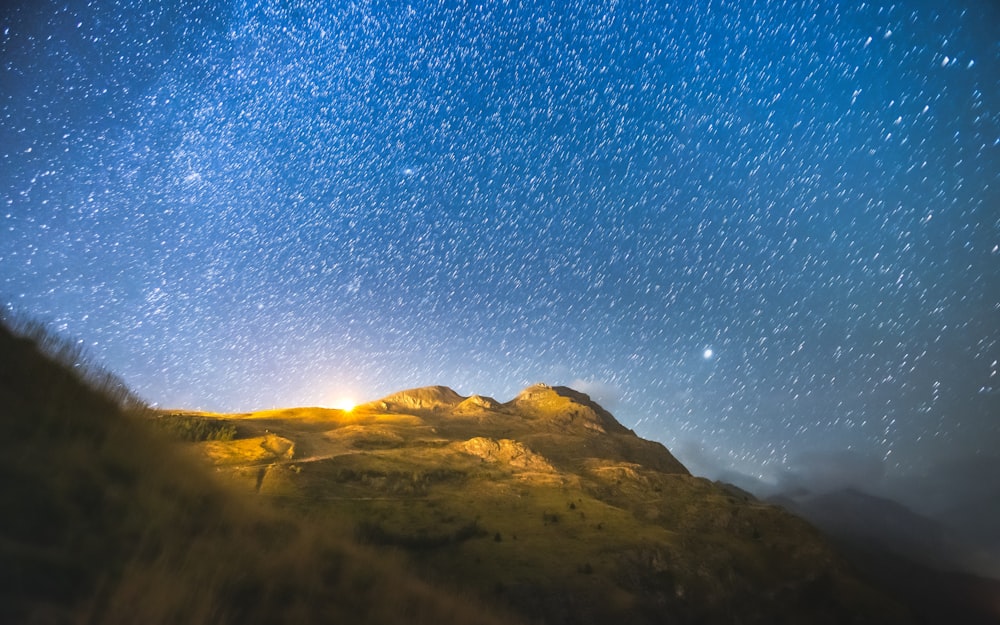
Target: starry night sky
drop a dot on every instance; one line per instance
(765, 234)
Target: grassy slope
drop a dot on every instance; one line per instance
(105, 521)
(599, 536)
(110, 522)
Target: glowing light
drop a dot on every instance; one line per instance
(708, 353)
(344, 403)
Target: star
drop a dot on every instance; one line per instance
(231, 224)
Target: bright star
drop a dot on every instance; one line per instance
(708, 353)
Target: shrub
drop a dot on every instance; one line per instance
(196, 429)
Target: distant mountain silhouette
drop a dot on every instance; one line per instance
(869, 520)
(915, 558)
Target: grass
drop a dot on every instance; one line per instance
(612, 533)
(111, 522)
(254, 450)
(315, 515)
(195, 429)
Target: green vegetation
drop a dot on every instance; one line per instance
(419, 510)
(376, 534)
(108, 522)
(546, 506)
(194, 429)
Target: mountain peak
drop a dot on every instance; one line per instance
(478, 403)
(566, 405)
(422, 398)
(537, 390)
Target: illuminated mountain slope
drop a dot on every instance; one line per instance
(104, 521)
(545, 504)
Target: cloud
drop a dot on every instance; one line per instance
(699, 461)
(961, 492)
(823, 471)
(812, 472)
(604, 393)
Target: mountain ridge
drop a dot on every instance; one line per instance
(420, 398)
(430, 507)
(910, 555)
(547, 505)
(546, 414)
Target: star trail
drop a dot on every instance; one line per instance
(758, 232)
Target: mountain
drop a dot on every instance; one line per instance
(875, 522)
(423, 507)
(915, 558)
(429, 398)
(108, 521)
(544, 505)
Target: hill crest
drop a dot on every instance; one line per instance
(567, 405)
(560, 404)
(421, 398)
(546, 501)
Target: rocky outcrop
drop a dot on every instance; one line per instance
(505, 451)
(565, 406)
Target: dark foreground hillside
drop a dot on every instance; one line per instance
(104, 522)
